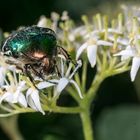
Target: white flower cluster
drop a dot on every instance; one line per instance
(15, 90)
(121, 37)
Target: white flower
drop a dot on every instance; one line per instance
(120, 40)
(79, 31)
(4, 67)
(42, 22)
(14, 91)
(91, 46)
(64, 15)
(131, 52)
(2, 75)
(4, 70)
(32, 96)
(61, 83)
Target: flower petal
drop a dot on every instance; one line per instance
(104, 43)
(62, 84)
(135, 67)
(77, 88)
(43, 85)
(7, 97)
(123, 41)
(2, 75)
(81, 49)
(127, 53)
(111, 30)
(32, 97)
(22, 85)
(137, 36)
(94, 34)
(31, 102)
(22, 101)
(28, 98)
(35, 98)
(15, 96)
(91, 54)
(42, 22)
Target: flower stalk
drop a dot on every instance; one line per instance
(11, 129)
(87, 125)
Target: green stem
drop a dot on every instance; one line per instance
(55, 109)
(84, 76)
(72, 93)
(10, 127)
(87, 125)
(66, 110)
(94, 86)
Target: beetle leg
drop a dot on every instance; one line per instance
(63, 52)
(27, 72)
(36, 72)
(39, 75)
(58, 72)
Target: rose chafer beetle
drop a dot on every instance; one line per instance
(34, 50)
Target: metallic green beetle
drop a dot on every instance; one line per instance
(33, 50)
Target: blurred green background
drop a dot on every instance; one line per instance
(116, 107)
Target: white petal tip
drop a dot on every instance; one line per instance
(43, 113)
(132, 77)
(42, 22)
(134, 68)
(92, 65)
(77, 88)
(81, 96)
(62, 84)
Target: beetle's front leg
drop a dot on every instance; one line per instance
(62, 51)
(26, 71)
